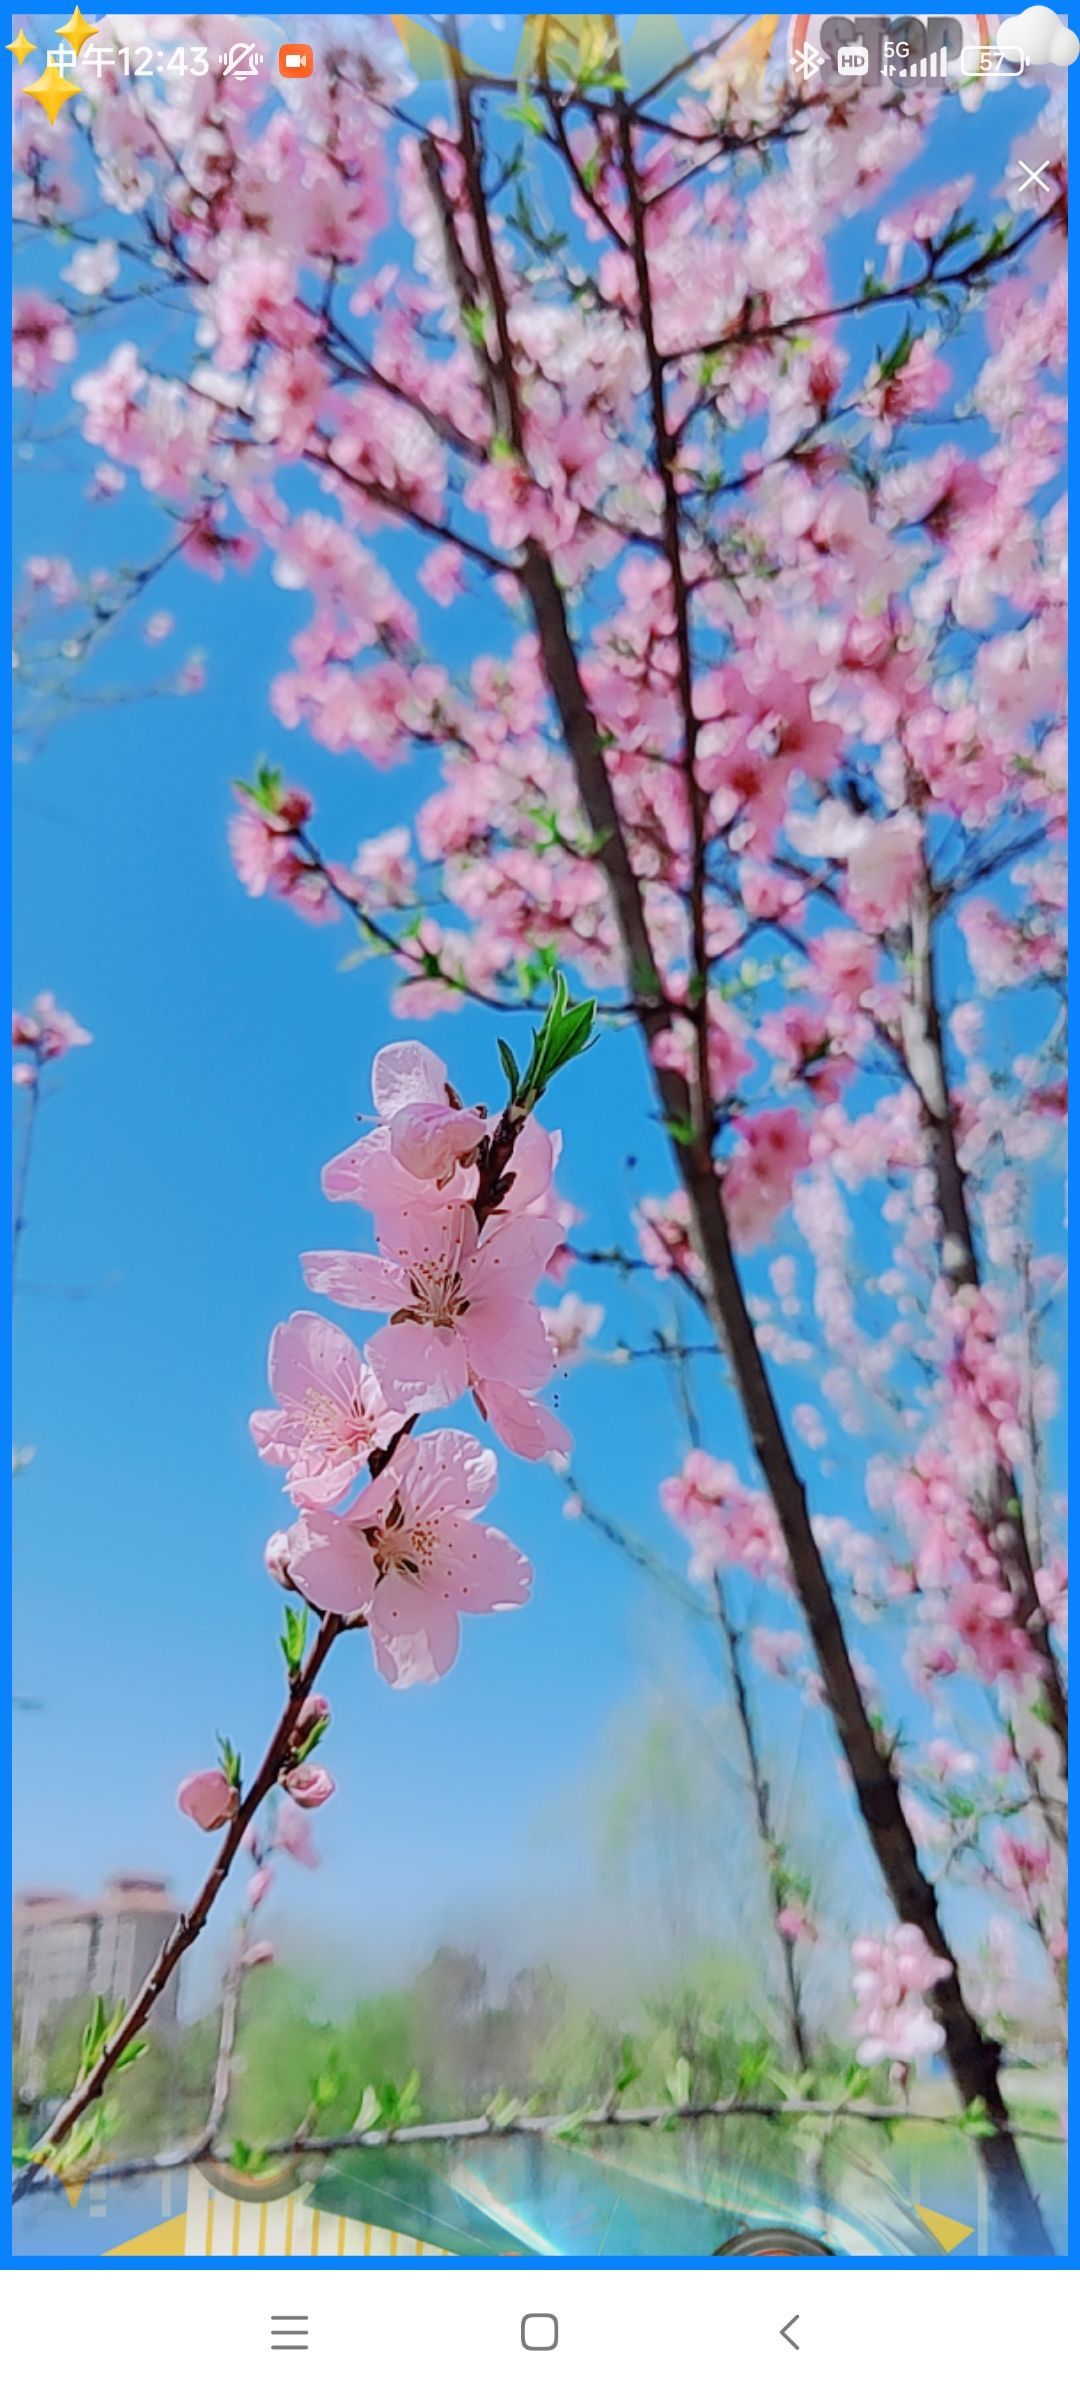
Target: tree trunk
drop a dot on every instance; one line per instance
(972, 2056)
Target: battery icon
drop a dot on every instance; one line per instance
(295, 60)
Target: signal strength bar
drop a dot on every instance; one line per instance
(937, 65)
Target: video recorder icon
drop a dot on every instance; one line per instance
(295, 60)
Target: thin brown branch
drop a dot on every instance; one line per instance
(658, 2118)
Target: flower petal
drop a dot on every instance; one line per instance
(403, 1072)
(420, 1366)
(480, 1570)
(416, 1654)
(514, 1253)
(355, 1278)
(310, 1351)
(331, 1563)
(507, 1340)
(445, 1471)
(526, 1426)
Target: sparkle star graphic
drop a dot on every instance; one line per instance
(52, 91)
(76, 31)
(20, 48)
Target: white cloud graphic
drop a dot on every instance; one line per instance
(1042, 37)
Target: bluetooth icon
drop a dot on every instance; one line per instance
(807, 61)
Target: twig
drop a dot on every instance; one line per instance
(570, 2122)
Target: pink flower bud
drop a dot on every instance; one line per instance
(261, 1954)
(208, 1799)
(259, 1886)
(315, 1711)
(309, 1786)
(276, 1561)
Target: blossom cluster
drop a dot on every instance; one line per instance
(457, 1291)
(893, 1973)
(41, 1033)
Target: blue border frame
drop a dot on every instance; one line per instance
(9, 2260)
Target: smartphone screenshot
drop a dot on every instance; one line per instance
(539, 1720)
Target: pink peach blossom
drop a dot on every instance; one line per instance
(331, 1414)
(459, 1301)
(309, 1785)
(292, 1834)
(410, 1553)
(892, 1975)
(42, 341)
(208, 1798)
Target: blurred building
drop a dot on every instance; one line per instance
(69, 1949)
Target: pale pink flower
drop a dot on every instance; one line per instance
(410, 1553)
(208, 1798)
(407, 1076)
(331, 1413)
(919, 384)
(440, 572)
(49, 1030)
(261, 1882)
(572, 1324)
(893, 1973)
(292, 1834)
(793, 1923)
(276, 1560)
(883, 869)
(458, 1300)
(1024, 1866)
(95, 266)
(922, 220)
(158, 627)
(42, 341)
(776, 1653)
(760, 1178)
(261, 1954)
(309, 1785)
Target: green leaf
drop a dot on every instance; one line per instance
(509, 1067)
(292, 1641)
(310, 1740)
(369, 2111)
(527, 112)
(502, 2110)
(628, 2070)
(898, 356)
(678, 2082)
(230, 1761)
(753, 2068)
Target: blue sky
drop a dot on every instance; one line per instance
(176, 1182)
